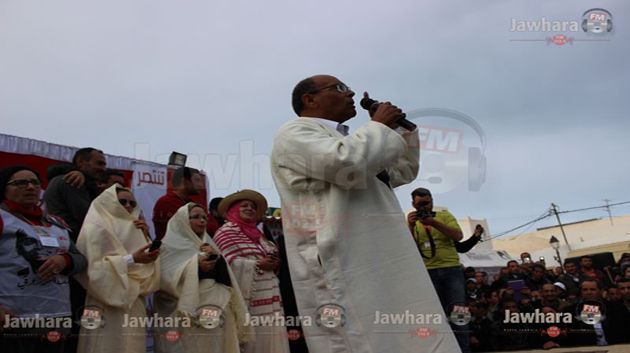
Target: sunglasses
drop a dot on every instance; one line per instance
(22, 183)
(131, 203)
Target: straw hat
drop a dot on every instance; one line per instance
(246, 194)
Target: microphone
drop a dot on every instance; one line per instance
(371, 105)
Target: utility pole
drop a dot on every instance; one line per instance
(608, 210)
(554, 208)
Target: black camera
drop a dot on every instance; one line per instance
(422, 211)
(425, 214)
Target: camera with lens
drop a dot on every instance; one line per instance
(422, 211)
(425, 214)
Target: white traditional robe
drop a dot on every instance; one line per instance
(107, 235)
(347, 239)
(182, 293)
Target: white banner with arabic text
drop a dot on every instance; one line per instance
(149, 183)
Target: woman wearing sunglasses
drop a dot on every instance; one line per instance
(36, 258)
(121, 272)
(197, 285)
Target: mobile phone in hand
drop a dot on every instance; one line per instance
(212, 257)
(155, 245)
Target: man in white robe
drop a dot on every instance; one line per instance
(347, 241)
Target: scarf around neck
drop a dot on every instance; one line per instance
(33, 215)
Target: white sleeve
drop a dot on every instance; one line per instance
(305, 150)
(129, 259)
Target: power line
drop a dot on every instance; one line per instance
(548, 213)
(539, 218)
(596, 207)
(525, 229)
(511, 217)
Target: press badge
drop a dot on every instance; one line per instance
(49, 241)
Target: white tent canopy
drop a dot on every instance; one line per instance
(490, 261)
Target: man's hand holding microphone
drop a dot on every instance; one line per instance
(386, 113)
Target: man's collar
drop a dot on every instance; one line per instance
(343, 129)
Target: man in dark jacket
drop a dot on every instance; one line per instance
(572, 279)
(596, 321)
(72, 203)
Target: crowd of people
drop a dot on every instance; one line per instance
(527, 287)
(111, 259)
(105, 245)
(80, 262)
(572, 305)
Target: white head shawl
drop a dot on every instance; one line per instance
(107, 235)
(179, 256)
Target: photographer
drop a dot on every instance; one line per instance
(436, 234)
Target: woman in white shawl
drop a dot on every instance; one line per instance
(121, 272)
(190, 291)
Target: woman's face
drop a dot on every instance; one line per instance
(198, 220)
(127, 200)
(23, 188)
(247, 211)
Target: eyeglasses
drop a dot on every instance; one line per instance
(131, 203)
(339, 87)
(22, 183)
(199, 216)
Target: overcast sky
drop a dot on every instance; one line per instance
(212, 79)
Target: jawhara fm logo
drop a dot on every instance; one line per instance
(452, 146)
